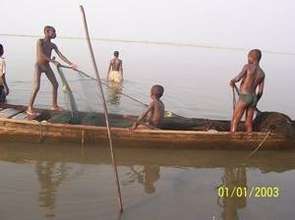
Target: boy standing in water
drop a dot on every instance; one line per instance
(153, 116)
(251, 90)
(115, 71)
(44, 49)
(4, 90)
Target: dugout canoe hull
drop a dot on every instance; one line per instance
(41, 131)
(38, 132)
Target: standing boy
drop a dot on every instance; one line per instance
(44, 49)
(251, 90)
(115, 71)
(4, 90)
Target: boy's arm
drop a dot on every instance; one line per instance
(62, 57)
(143, 116)
(260, 89)
(121, 68)
(239, 76)
(109, 70)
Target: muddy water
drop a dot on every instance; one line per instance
(73, 182)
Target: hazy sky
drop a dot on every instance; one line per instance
(267, 24)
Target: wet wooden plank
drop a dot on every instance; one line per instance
(25, 116)
(10, 112)
(21, 116)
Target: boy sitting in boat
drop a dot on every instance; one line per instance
(44, 49)
(115, 71)
(251, 90)
(4, 90)
(153, 116)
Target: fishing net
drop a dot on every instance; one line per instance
(83, 103)
(275, 122)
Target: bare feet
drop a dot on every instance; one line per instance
(30, 111)
(57, 108)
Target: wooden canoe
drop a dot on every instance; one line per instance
(16, 125)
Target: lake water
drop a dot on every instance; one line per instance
(73, 182)
(196, 80)
(50, 181)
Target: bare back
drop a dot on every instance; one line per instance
(157, 113)
(253, 77)
(116, 64)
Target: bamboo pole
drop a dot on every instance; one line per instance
(99, 85)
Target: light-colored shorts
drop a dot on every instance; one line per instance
(115, 76)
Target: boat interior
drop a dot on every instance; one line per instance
(18, 112)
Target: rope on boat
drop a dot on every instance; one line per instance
(260, 145)
(235, 90)
(234, 99)
(159, 43)
(99, 85)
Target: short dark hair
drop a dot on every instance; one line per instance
(48, 27)
(157, 90)
(1, 50)
(116, 53)
(258, 53)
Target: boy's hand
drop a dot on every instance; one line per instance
(232, 83)
(130, 131)
(134, 126)
(56, 63)
(73, 66)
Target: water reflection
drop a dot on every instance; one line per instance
(233, 177)
(174, 181)
(146, 175)
(50, 177)
(114, 91)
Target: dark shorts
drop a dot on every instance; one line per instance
(2, 94)
(249, 99)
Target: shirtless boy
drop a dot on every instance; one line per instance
(44, 49)
(115, 71)
(153, 116)
(251, 90)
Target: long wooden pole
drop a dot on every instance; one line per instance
(99, 84)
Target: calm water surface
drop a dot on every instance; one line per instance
(50, 181)
(195, 79)
(72, 182)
